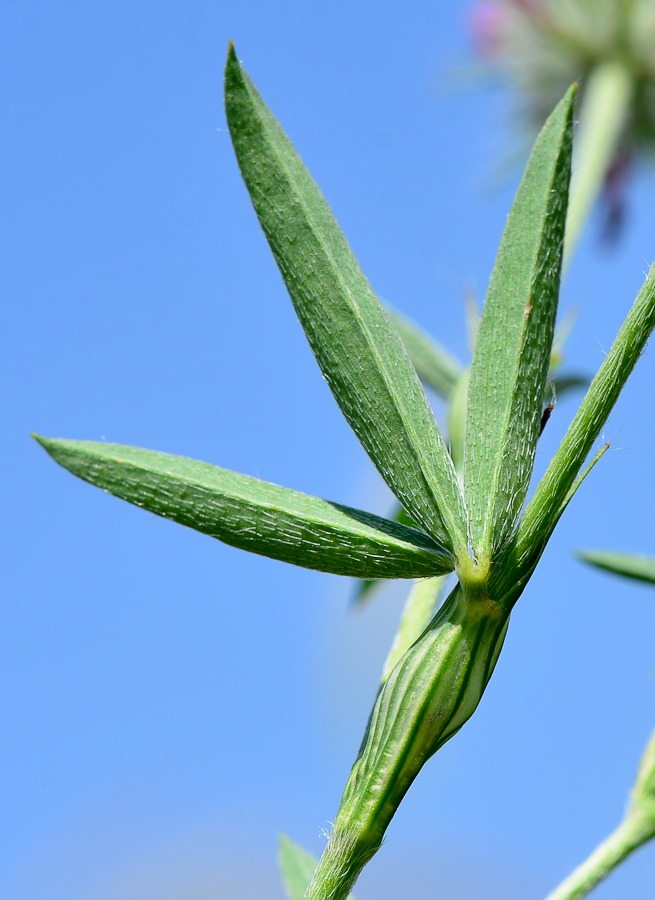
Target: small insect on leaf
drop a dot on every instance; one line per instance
(545, 416)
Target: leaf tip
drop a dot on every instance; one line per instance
(232, 61)
(45, 442)
(564, 109)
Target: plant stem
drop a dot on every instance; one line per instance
(634, 831)
(602, 117)
(427, 698)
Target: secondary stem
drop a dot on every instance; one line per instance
(634, 831)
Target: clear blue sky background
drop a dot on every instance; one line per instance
(168, 704)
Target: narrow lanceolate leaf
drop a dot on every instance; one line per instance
(297, 867)
(641, 568)
(252, 514)
(513, 572)
(434, 365)
(512, 354)
(357, 347)
(566, 384)
(366, 587)
(597, 404)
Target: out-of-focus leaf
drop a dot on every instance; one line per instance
(457, 419)
(630, 565)
(434, 365)
(297, 867)
(512, 355)
(566, 384)
(364, 590)
(472, 312)
(356, 346)
(252, 514)
(606, 105)
(419, 609)
(562, 332)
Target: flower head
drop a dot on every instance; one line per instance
(541, 46)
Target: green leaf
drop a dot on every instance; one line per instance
(366, 587)
(641, 568)
(472, 313)
(297, 867)
(457, 418)
(537, 522)
(355, 344)
(562, 331)
(434, 365)
(513, 571)
(364, 590)
(252, 514)
(605, 108)
(512, 355)
(566, 384)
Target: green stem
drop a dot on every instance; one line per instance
(634, 831)
(604, 110)
(428, 696)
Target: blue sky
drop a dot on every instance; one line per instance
(168, 704)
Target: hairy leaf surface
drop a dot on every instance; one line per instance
(252, 514)
(512, 354)
(355, 344)
(537, 522)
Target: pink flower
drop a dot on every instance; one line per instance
(486, 21)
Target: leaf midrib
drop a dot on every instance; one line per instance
(498, 468)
